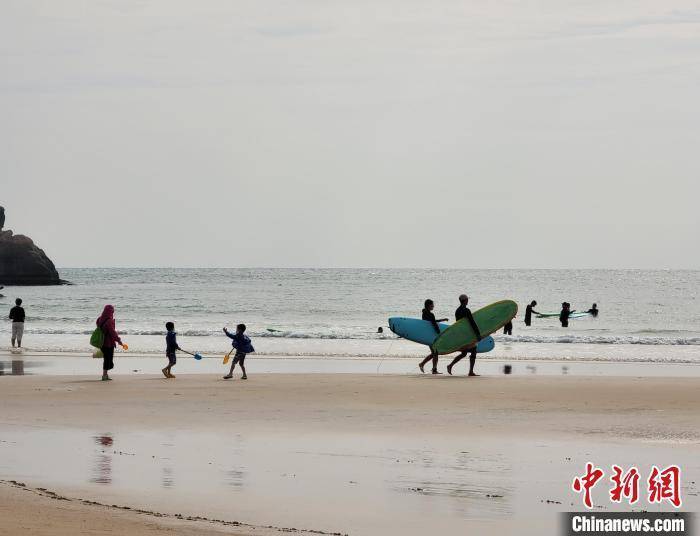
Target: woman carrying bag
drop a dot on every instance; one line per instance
(106, 331)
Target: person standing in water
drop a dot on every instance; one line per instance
(464, 312)
(111, 338)
(17, 317)
(528, 312)
(565, 314)
(593, 310)
(508, 328)
(427, 315)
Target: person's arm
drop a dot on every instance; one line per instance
(228, 334)
(535, 312)
(112, 330)
(472, 323)
(443, 319)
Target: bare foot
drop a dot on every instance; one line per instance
(228, 376)
(165, 372)
(474, 374)
(171, 375)
(244, 377)
(436, 372)
(449, 369)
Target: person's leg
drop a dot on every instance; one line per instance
(245, 376)
(230, 372)
(422, 363)
(14, 334)
(171, 364)
(472, 362)
(107, 361)
(20, 332)
(435, 362)
(455, 361)
(166, 370)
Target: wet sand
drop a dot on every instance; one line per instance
(347, 453)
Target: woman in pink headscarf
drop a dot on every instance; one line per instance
(106, 323)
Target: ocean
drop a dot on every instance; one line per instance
(645, 315)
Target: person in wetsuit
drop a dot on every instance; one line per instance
(427, 314)
(593, 310)
(508, 328)
(464, 312)
(528, 312)
(565, 314)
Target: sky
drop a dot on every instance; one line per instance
(474, 134)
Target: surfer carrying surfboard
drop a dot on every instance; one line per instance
(464, 312)
(428, 315)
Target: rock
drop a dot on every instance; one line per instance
(22, 262)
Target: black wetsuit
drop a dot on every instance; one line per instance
(564, 318)
(594, 312)
(528, 315)
(464, 312)
(430, 317)
(508, 328)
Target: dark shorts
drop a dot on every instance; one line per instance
(239, 358)
(108, 358)
(171, 359)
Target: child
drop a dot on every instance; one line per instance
(171, 347)
(241, 343)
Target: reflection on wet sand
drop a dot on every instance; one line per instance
(167, 476)
(102, 468)
(426, 481)
(16, 367)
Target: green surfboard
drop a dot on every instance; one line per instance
(490, 319)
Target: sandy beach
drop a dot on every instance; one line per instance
(336, 453)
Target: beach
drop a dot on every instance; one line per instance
(336, 453)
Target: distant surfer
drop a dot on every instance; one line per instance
(380, 329)
(528, 312)
(508, 328)
(427, 314)
(565, 314)
(464, 312)
(594, 310)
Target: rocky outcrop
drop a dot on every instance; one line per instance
(22, 262)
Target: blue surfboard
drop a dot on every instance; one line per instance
(423, 332)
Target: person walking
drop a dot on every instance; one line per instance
(111, 338)
(428, 315)
(464, 312)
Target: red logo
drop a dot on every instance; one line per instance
(665, 485)
(662, 485)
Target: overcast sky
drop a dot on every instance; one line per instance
(378, 133)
